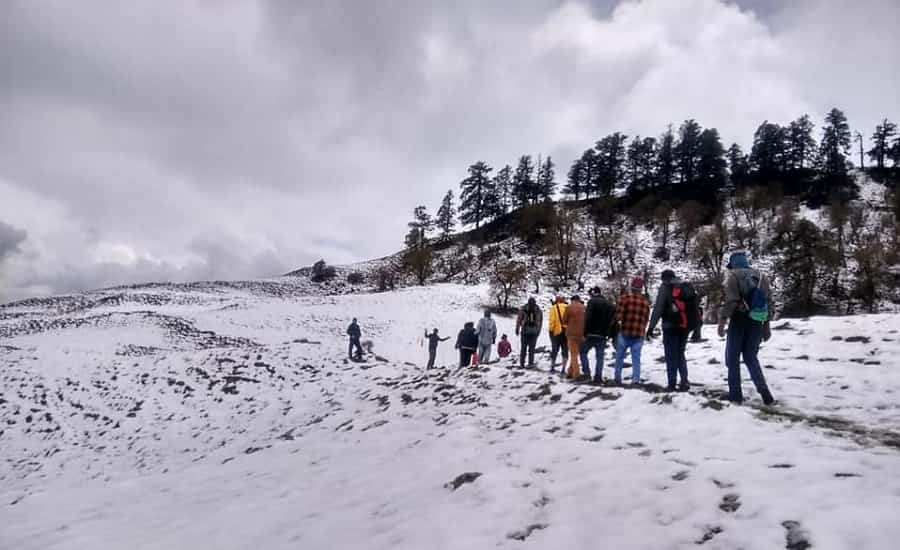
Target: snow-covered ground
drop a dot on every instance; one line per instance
(226, 417)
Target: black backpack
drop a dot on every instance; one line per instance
(683, 309)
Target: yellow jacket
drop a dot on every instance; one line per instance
(557, 312)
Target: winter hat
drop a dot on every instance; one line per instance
(595, 291)
(667, 275)
(738, 260)
(637, 283)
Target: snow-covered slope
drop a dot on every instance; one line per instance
(225, 416)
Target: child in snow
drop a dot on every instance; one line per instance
(504, 348)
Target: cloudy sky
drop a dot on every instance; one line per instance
(196, 139)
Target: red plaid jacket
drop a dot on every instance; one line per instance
(633, 312)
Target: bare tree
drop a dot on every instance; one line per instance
(562, 242)
(711, 247)
(508, 281)
(607, 242)
(691, 215)
(420, 263)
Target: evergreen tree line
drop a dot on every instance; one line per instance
(689, 162)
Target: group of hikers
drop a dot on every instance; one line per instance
(576, 328)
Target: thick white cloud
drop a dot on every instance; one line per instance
(187, 139)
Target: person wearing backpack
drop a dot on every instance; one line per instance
(467, 344)
(557, 332)
(487, 335)
(747, 310)
(598, 318)
(676, 306)
(528, 325)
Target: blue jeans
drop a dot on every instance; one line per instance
(674, 344)
(598, 344)
(744, 337)
(623, 344)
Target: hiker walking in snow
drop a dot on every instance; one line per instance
(557, 332)
(467, 344)
(487, 336)
(574, 322)
(747, 310)
(355, 334)
(504, 348)
(632, 314)
(528, 327)
(676, 306)
(598, 320)
(433, 340)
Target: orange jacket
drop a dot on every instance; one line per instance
(574, 320)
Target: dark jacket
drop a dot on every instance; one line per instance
(663, 298)
(598, 316)
(433, 340)
(534, 312)
(467, 339)
(353, 331)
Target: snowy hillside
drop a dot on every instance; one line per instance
(225, 416)
(610, 247)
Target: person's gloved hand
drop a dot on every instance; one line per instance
(650, 335)
(767, 332)
(722, 331)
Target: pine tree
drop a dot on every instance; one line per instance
(835, 146)
(738, 166)
(523, 182)
(419, 228)
(711, 163)
(502, 187)
(894, 153)
(575, 180)
(476, 191)
(882, 142)
(768, 154)
(545, 187)
(589, 170)
(666, 167)
(640, 164)
(446, 216)
(687, 150)
(801, 145)
(610, 162)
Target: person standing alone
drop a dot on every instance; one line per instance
(747, 309)
(487, 336)
(632, 313)
(433, 340)
(354, 332)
